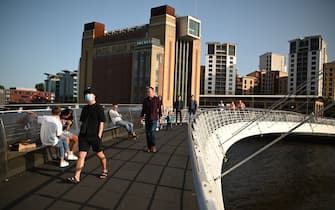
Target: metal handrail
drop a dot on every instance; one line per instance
(203, 132)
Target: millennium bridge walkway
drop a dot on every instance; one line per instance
(136, 179)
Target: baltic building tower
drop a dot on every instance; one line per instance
(164, 54)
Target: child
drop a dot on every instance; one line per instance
(169, 120)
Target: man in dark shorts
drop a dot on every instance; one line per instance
(92, 123)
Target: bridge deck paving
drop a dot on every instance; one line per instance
(137, 179)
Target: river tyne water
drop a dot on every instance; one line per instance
(297, 173)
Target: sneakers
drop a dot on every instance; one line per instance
(72, 157)
(63, 164)
(133, 135)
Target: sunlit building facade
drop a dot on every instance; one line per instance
(329, 80)
(271, 62)
(164, 54)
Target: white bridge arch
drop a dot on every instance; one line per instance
(212, 132)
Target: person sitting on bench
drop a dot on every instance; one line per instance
(51, 133)
(116, 118)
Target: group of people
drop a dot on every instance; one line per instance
(55, 129)
(179, 106)
(232, 105)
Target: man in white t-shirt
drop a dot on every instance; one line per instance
(51, 133)
(116, 118)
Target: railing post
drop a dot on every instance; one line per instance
(3, 152)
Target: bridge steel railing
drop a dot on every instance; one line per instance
(212, 132)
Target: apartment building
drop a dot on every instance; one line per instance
(220, 69)
(306, 58)
(271, 62)
(63, 86)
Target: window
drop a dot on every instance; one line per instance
(194, 27)
(315, 44)
(232, 50)
(293, 47)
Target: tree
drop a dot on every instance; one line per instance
(2, 87)
(39, 86)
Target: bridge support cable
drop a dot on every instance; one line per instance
(280, 103)
(308, 118)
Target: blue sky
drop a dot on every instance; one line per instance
(39, 36)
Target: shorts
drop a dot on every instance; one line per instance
(85, 142)
(67, 133)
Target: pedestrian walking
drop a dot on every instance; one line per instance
(192, 107)
(92, 123)
(178, 106)
(151, 110)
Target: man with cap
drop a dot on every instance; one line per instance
(92, 123)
